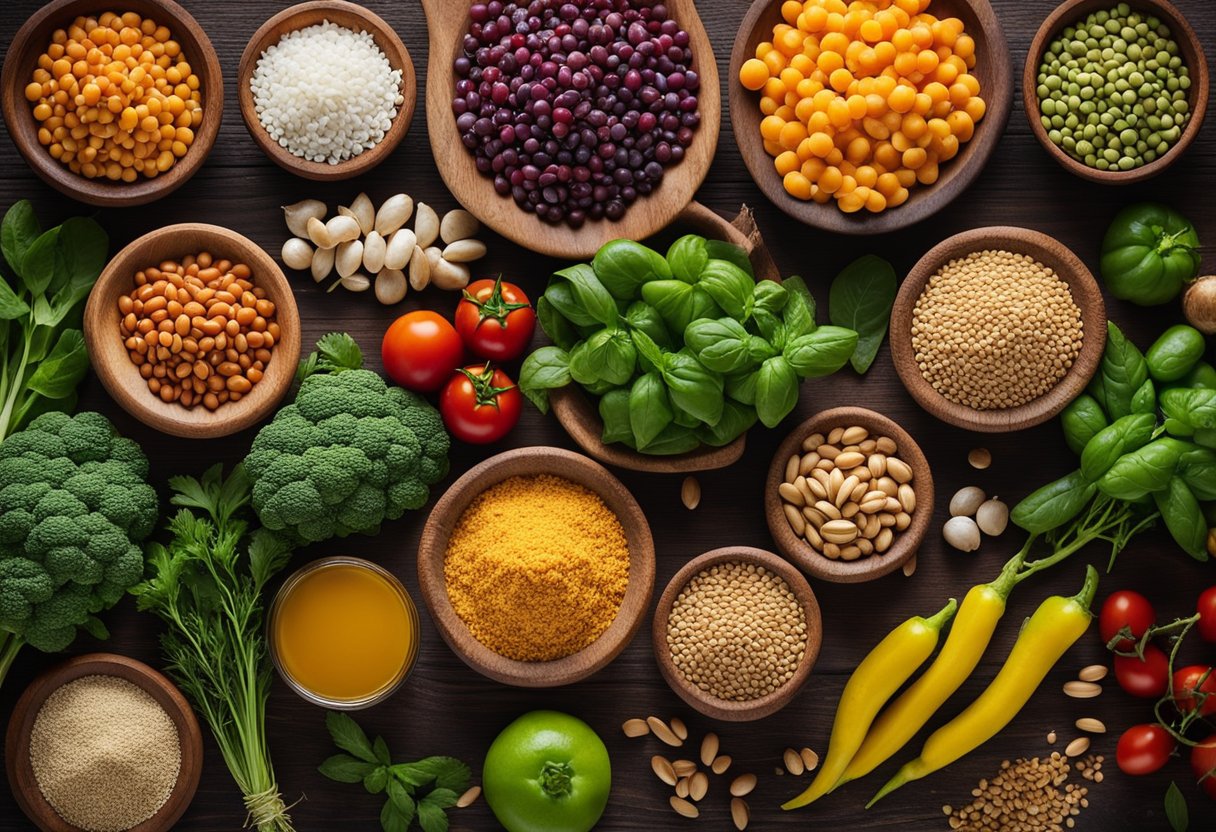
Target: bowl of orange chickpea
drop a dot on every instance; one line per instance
(112, 103)
(867, 116)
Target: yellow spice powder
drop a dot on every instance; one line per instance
(537, 567)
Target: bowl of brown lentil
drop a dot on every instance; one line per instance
(736, 633)
(997, 329)
(849, 495)
(91, 739)
(537, 567)
(193, 330)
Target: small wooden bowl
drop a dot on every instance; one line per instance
(432, 550)
(706, 703)
(122, 379)
(34, 37)
(21, 724)
(906, 542)
(577, 413)
(995, 74)
(351, 16)
(447, 23)
(1049, 252)
(1189, 46)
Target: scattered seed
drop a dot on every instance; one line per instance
(1029, 795)
(662, 768)
(809, 759)
(793, 762)
(743, 785)
(467, 799)
(684, 768)
(690, 493)
(962, 533)
(909, 567)
(1077, 747)
(947, 809)
(979, 458)
(966, 501)
(682, 787)
(1082, 690)
(992, 517)
(683, 807)
(698, 785)
(720, 764)
(635, 728)
(1091, 725)
(1093, 673)
(739, 813)
(664, 733)
(709, 749)
(679, 728)
(1051, 737)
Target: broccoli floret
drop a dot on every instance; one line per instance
(349, 453)
(74, 507)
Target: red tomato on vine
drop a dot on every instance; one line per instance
(495, 320)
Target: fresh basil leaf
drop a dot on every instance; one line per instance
(1193, 406)
(560, 295)
(1175, 809)
(622, 266)
(736, 420)
(380, 749)
(448, 772)
(346, 769)
(822, 352)
(560, 331)
(1054, 504)
(730, 287)
(1142, 471)
(776, 391)
(1122, 372)
(1205, 437)
(1197, 468)
(376, 781)
(641, 316)
(742, 386)
(798, 318)
(1082, 420)
(721, 345)
(348, 736)
(731, 253)
(431, 816)
(608, 356)
(860, 299)
(703, 305)
(40, 262)
(441, 797)
(649, 409)
(684, 419)
(675, 439)
(770, 295)
(1180, 510)
(1110, 443)
(650, 354)
(18, 232)
(614, 413)
(687, 257)
(61, 371)
(400, 796)
(672, 299)
(590, 293)
(770, 327)
(545, 369)
(392, 819)
(692, 387)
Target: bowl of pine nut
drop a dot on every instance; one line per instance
(193, 330)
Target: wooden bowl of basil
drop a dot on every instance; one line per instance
(580, 414)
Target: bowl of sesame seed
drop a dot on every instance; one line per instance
(997, 329)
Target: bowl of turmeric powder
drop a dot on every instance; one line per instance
(537, 567)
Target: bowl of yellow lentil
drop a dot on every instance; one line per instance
(736, 633)
(859, 121)
(997, 329)
(113, 104)
(537, 567)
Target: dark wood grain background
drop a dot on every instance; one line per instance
(447, 709)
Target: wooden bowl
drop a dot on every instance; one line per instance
(351, 16)
(906, 542)
(579, 415)
(1189, 46)
(30, 42)
(1049, 252)
(447, 23)
(432, 550)
(121, 378)
(993, 69)
(708, 704)
(21, 724)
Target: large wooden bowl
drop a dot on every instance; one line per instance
(122, 379)
(1189, 46)
(1049, 252)
(34, 37)
(432, 550)
(906, 542)
(578, 414)
(995, 74)
(447, 23)
(21, 724)
(351, 16)
(708, 704)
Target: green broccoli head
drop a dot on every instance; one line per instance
(348, 454)
(74, 507)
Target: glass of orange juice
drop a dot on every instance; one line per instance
(343, 632)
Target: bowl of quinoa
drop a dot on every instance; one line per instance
(537, 567)
(997, 329)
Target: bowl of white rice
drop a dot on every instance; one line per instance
(327, 89)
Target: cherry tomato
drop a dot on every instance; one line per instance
(1143, 749)
(495, 320)
(1207, 615)
(1125, 609)
(1187, 681)
(480, 405)
(1203, 765)
(1147, 679)
(420, 350)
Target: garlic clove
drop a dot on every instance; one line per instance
(450, 276)
(297, 254)
(349, 257)
(318, 232)
(962, 533)
(394, 213)
(426, 225)
(322, 263)
(400, 248)
(458, 224)
(420, 270)
(391, 286)
(464, 251)
(298, 214)
(364, 213)
(374, 251)
(966, 501)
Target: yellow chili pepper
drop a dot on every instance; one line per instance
(875, 680)
(1055, 626)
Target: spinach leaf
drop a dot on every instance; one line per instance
(622, 266)
(545, 369)
(770, 295)
(18, 232)
(63, 368)
(1082, 420)
(721, 345)
(860, 299)
(649, 409)
(1110, 443)
(1054, 504)
(608, 356)
(730, 287)
(589, 294)
(1121, 374)
(645, 318)
(731, 253)
(614, 411)
(687, 257)
(798, 318)
(736, 420)
(742, 386)
(822, 352)
(560, 331)
(1193, 406)
(560, 295)
(1183, 517)
(776, 391)
(1142, 471)
(692, 387)
(40, 262)
(675, 439)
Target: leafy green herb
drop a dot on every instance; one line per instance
(1120, 375)
(545, 369)
(1175, 809)
(861, 298)
(43, 284)
(420, 791)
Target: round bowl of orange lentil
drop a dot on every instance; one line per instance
(113, 103)
(865, 116)
(220, 368)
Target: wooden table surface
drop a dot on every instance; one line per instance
(446, 708)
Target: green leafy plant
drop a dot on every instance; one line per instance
(46, 277)
(860, 299)
(420, 791)
(207, 585)
(1175, 809)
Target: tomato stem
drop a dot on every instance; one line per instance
(494, 306)
(483, 386)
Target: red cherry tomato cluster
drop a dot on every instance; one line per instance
(1128, 625)
(422, 351)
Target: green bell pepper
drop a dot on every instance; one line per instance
(1148, 253)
